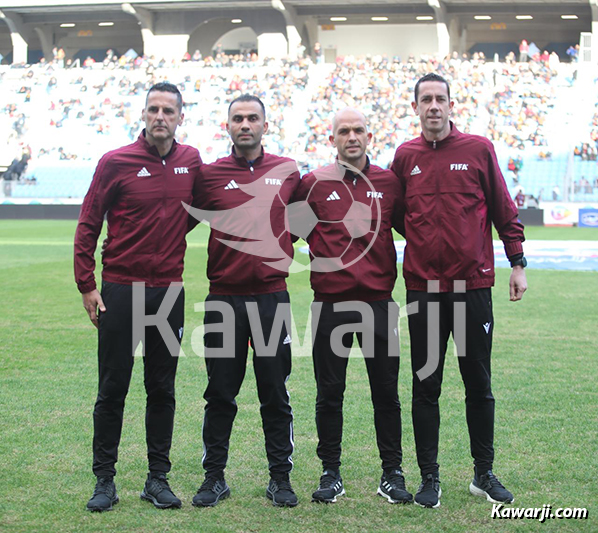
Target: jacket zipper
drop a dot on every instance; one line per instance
(358, 264)
(252, 263)
(162, 220)
(439, 214)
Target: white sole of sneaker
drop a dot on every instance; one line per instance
(433, 506)
(333, 500)
(476, 491)
(389, 499)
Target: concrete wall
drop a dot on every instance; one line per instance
(85, 37)
(43, 212)
(239, 38)
(506, 29)
(5, 41)
(390, 39)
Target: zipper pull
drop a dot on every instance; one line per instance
(354, 182)
(251, 168)
(434, 144)
(163, 162)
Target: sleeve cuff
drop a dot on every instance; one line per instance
(87, 287)
(513, 248)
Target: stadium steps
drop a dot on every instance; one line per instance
(568, 125)
(58, 180)
(295, 114)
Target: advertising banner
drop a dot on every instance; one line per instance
(563, 213)
(588, 218)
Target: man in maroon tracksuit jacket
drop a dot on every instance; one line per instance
(452, 191)
(355, 203)
(140, 188)
(244, 197)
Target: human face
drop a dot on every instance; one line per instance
(246, 126)
(350, 137)
(161, 116)
(434, 108)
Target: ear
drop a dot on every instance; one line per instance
(414, 107)
(265, 127)
(182, 117)
(143, 118)
(369, 138)
(451, 105)
(332, 140)
(228, 128)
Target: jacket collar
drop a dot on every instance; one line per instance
(447, 140)
(152, 149)
(348, 173)
(241, 161)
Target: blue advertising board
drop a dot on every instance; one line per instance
(588, 218)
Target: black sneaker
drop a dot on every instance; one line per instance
(212, 490)
(488, 485)
(104, 495)
(429, 492)
(392, 487)
(158, 492)
(281, 493)
(330, 488)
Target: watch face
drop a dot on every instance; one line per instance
(523, 262)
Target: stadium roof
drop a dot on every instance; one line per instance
(360, 11)
(503, 21)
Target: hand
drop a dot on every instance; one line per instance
(91, 301)
(517, 283)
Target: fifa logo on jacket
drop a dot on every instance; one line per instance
(459, 166)
(374, 194)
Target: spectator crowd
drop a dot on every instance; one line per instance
(60, 111)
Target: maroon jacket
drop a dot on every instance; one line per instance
(367, 266)
(250, 249)
(141, 192)
(451, 192)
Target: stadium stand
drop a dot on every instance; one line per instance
(66, 118)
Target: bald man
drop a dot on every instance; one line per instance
(353, 271)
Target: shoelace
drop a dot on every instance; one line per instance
(285, 485)
(102, 486)
(493, 480)
(396, 480)
(327, 481)
(209, 484)
(162, 482)
(430, 483)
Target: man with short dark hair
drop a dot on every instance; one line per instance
(139, 188)
(244, 196)
(452, 191)
(355, 202)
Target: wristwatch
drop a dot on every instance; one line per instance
(522, 262)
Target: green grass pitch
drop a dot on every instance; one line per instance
(545, 367)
